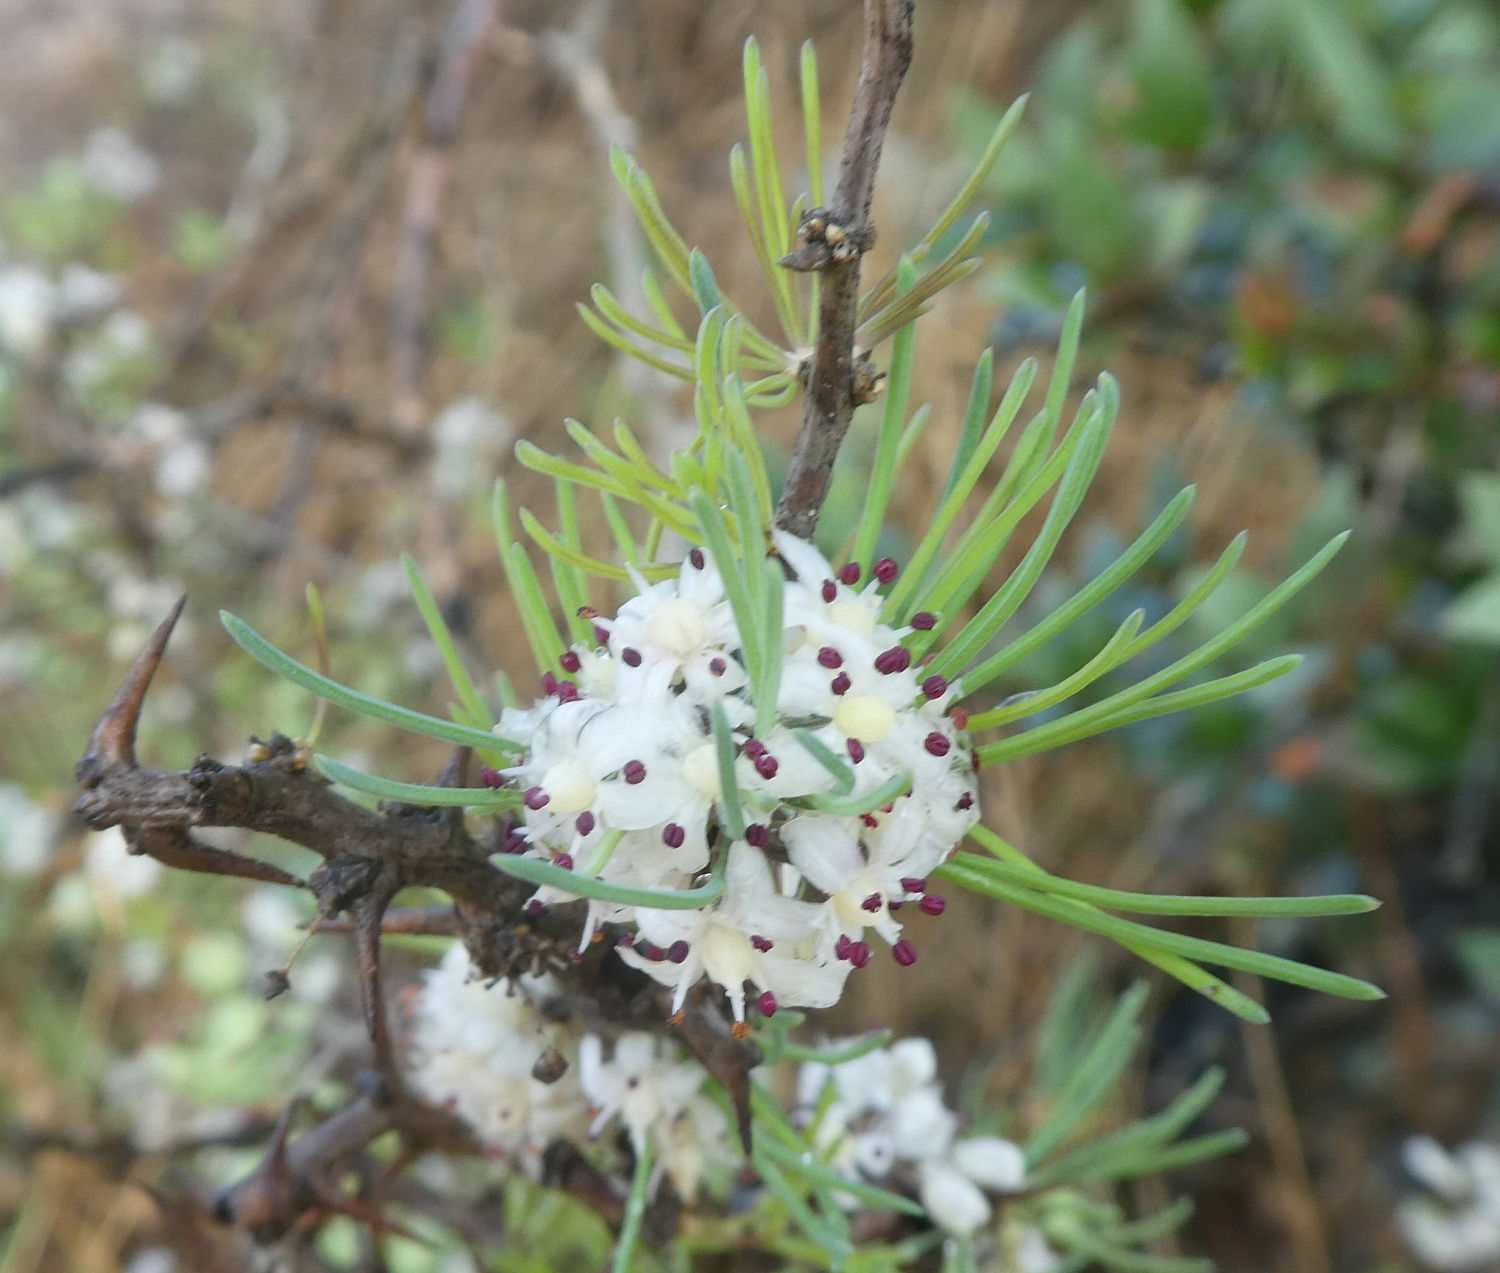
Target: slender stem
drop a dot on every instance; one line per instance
(830, 374)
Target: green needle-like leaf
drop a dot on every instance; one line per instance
(475, 709)
(535, 871)
(255, 645)
(415, 793)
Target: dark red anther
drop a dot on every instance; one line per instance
(936, 744)
(830, 590)
(913, 885)
(696, 557)
(871, 903)
(896, 659)
(924, 621)
(563, 861)
(568, 691)
(856, 750)
(893, 907)
(634, 772)
(584, 822)
(886, 570)
(630, 657)
(549, 684)
(570, 662)
(965, 801)
(766, 765)
(974, 762)
(932, 904)
(653, 952)
(677, 952)
(758, 835)
(673, 835)
(491, 777)
(753, 747)
(859, 954)
(767, 1004)
(718, 667)
(536, 798)
(601, 635)
(830, 658)
(904, 953)
(535, 908)
(843, 946)
(935, 686)
(850, 573)
(575, 956)
(841, 683)
(869, 819)
(760, 943)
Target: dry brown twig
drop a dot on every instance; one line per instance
(368, 857)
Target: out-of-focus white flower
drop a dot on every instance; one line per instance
(184, 461)
(170, 70)
(143, 963)
(115, 165)
(1457, 1225)
(26, 832)
(655, 1093)
(887, 1113)
(115, 871)
(28, 308)
(478, 1048)
(469, 437)
(153, 1259)
(82, 292)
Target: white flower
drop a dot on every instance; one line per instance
(117, 872)
(114, 165)
(952, 1186)
(1462, 1231)
(28, 306)
(26, 832)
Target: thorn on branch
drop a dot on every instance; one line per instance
(113, 741)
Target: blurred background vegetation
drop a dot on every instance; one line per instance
(281, 284)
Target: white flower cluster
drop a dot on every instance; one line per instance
(622, 781)
(882, 1115)
(521, 1080)
(1456, 1225)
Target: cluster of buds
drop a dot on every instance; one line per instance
(624, 780)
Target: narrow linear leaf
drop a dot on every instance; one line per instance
(416, 793)
(535, 871)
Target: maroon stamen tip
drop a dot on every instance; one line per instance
(766, 765)
(535, 908)
(536, 798)
(634, 772)
(904, 953)
(924, 621)
(564, 861)
(935, 686)
(677, 952)
(841, 683)
(856, 750)
(568, 691)
(936, 744)
(886, 570)
(653, 952)
(871, 903)
(767, 1004)
(912, 884)
(869, 819)
(514, 844)
(760, 943)
(575, 956)
(850, 573)
(893, 907)
(859, 954)
(570, 662)
(830, 658)
(757, 835)
(896, 659)
(584, 822)
(549, 684)
(966, 801)
(491, 777)
(601, 635)
(717, 666)
(753, 747)
(625, 941)
(673, 835)
(843, 946)
(830, 590)
(696, 557)
(933, 904)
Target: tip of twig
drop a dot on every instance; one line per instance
(113, 739)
